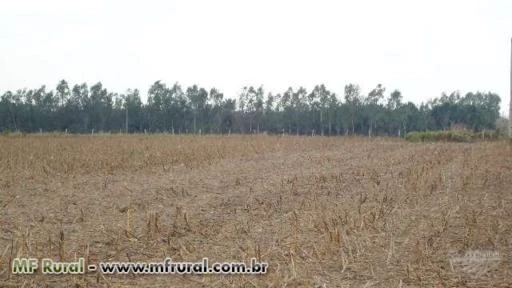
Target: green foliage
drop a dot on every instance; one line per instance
(194, 109)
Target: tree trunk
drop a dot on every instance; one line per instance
(510, 105)
(126, 120)
(370, 129)
(322, 122)
(194, 122)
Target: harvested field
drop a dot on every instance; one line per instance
(323, 212)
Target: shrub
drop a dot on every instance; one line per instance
(452, 136)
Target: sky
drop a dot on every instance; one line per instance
(422, 48)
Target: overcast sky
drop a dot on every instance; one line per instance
(419, 47)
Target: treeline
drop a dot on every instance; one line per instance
(175, 109)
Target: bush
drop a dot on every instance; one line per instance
(452, 136)
(413, 137)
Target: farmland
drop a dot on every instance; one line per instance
(322, 211)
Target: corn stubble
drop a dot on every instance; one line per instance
(323, 212)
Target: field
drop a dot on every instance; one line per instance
(323, 212)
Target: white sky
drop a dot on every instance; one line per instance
(420, 47)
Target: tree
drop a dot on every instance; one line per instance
(372, 102)
(250, 101)
(80, 104)
(100, 106)
(180, 108)
(133, 109)
(393, 106)
(376, 95)
(197, 98)
(9, 111)
(287, 108)
(81, 109)
(268, 113)
(354, 101)
(62, 92)
(394, 100)
(157, 95)
(258, 105)
(410, 118)
(298, 102)
(216, 98)
(228, 111)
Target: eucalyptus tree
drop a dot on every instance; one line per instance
(197, 98)
(313, 102)
(394, 117)
(180, 108)
(8, 111)
(132, 106)
(228, 115)
(258, 107)
(269, 121)
(372, 103)
(299, 103)
(100, 107)
(354, 101)
(216, 98)
(81, 109)
(250, 108)
(157, 95)
(62, 92)
(286, 107)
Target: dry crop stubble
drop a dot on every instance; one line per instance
(323, 212)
